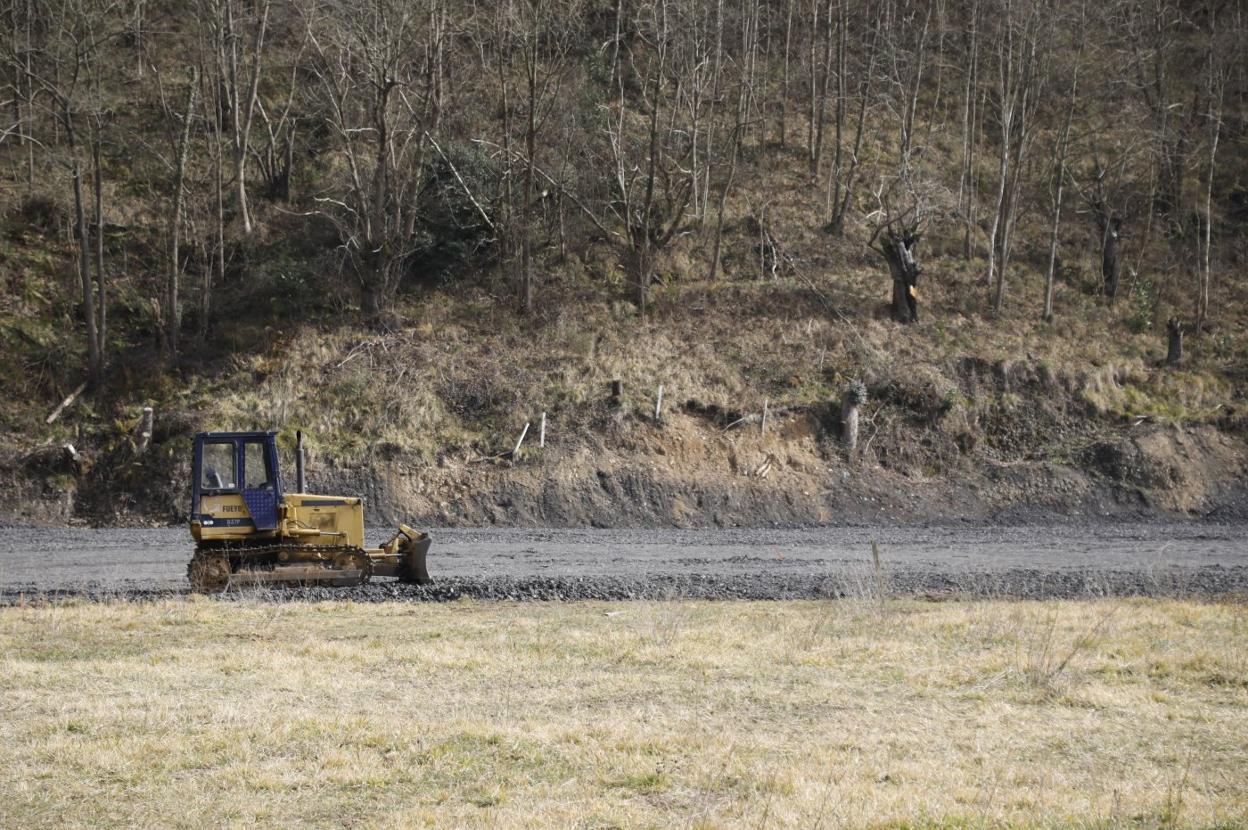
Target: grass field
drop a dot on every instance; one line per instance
(680, 714)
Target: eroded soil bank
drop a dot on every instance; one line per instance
(701, 469)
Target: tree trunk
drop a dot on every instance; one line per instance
(835, 179)
(901, 305)
(1051, 274)
(1109, 254)
(813, 60)
(900, 254)
(717, 247)
(94, 359)
(216, 267)
(723, 193)
(173, 311)
(508, 208)
(994, 236)
(1216, 91)
(643, 273)
(244, 111)
(372, 302)
(911, 105)
(1060, 150)
(16, 50)
(30, 95)
(530, 150)
(643, 233)
(1171, 164)
(817, 154)
(784, 82)
(864, 89)
(966, 195)
(101, 292)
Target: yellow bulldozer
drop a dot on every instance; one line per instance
(248, 530)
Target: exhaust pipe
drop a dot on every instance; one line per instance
(301, 481)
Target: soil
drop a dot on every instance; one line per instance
(920, 458)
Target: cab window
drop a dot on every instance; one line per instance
(255, 465)
(218, 467)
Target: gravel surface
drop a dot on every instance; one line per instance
(948, 559)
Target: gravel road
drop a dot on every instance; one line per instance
(981, 560)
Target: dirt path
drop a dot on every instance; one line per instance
(1029, 561)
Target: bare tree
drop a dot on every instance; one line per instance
(967, 180)
(242, 66)
(277, 160)
(905, 59)
(749, 35)
(1099, 202)
(896, 232)
(64, 79)
(173, 300)
(379, 101)
(214, 271)
(820, 80)
(19, 55)
(540, 34)
(1151, 30)
(846, 172)
(647, 156)
(1215, 96)
(1061, 147)
(1020, 79)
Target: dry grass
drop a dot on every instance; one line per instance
(611, 715)
(463, 370)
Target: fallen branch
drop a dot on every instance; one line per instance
(73, 396)
(462, 184)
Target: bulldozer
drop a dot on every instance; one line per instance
(248, 530)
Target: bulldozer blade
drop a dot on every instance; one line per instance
(296, 574)
(414, 552)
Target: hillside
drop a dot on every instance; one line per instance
(407, 305)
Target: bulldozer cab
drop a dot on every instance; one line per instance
(236, 480)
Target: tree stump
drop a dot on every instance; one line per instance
(900, 254)
(71, 454)
(854, 397)
(1174, 351)
(143, 435)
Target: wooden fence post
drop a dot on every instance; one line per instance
(516, 450)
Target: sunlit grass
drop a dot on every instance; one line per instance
(836, 714)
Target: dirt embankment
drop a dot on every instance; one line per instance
(691, 472)
(685, 475)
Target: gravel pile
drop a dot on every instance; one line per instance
(1215, 581)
